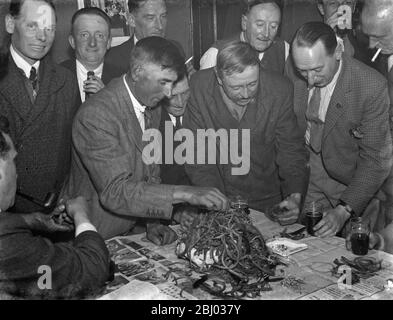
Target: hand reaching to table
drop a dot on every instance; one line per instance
(160, 234)
(332, 222)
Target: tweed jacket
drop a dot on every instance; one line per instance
(356, 142)
(109, 72)
(78, 269)
(277, 152)
(40, 131)
(107, 166)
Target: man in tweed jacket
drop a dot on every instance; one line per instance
(40, 110)
(348, 135)
(107, 164)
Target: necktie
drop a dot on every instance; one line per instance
(90, 74)
(312, 115)
(178, 123)
(33, 80)
(148, 118)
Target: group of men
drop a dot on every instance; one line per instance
(312, 124)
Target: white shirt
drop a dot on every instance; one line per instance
(326, 96)
(22, 63)
(81, 73)
(173, 119)
(138, 108)
(209, 59)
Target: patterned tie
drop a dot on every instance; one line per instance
(33, 80)
(312, 115)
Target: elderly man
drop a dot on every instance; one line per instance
(34, 267)
(90, 38)
(238, 96)
(109, 165)
(38, 97)
(260, 24)
(172, 115)
(345, 123)
(147, 18)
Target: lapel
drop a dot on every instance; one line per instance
(71, 65)
(106, 74)
(14, 90)
(338, 100)
(301, 102)
(131, 121)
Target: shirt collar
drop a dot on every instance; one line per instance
(135, 40)
(137, 106)
(81, 68)
(22, 63)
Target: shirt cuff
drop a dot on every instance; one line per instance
(85, 226)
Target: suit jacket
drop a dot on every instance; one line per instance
(171, 173)
(41, 132)
(277, 153)
(356, 143)
(119, 56)
(78, 269)
(109, 72)
(107, 166)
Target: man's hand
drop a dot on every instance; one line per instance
(332, 222)
(210, 198)
(185, 215)
(292, 204)
(159, 234)
(93, 85)
(49, 223)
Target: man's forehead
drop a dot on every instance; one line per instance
(160, 71)
(181, 87)
(38, 11)
(151, 6)
(250, 74)
(266, 10)
(88, 19)
(309, 57)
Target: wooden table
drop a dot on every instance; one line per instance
(139, 259)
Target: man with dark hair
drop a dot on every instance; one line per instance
(260, 22)
(109, 163)
(146, 18)
(239, 96)
(38, 97)
(72, 270)
(90, 38)
(342, 108)
(172, 112)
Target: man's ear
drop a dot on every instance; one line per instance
(320, 9)
(71, 40)
(131, 20)
(9, 24)
(136, 72)
(244, 22)
(109, 44)
(217, 76)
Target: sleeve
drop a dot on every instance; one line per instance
(203, 175)
(34, 266)
(292, 155)
(99, 140)
(375, 152)
(208, 59)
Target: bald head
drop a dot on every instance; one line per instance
(377, 23)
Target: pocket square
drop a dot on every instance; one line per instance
(356, 133)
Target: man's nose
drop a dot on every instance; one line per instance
(311, 79)
(265, 30)
(92, 41)
(244, 93)
(41, 34)
(168, 91)
(158, 24)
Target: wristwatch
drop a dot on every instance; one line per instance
(347, 208)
